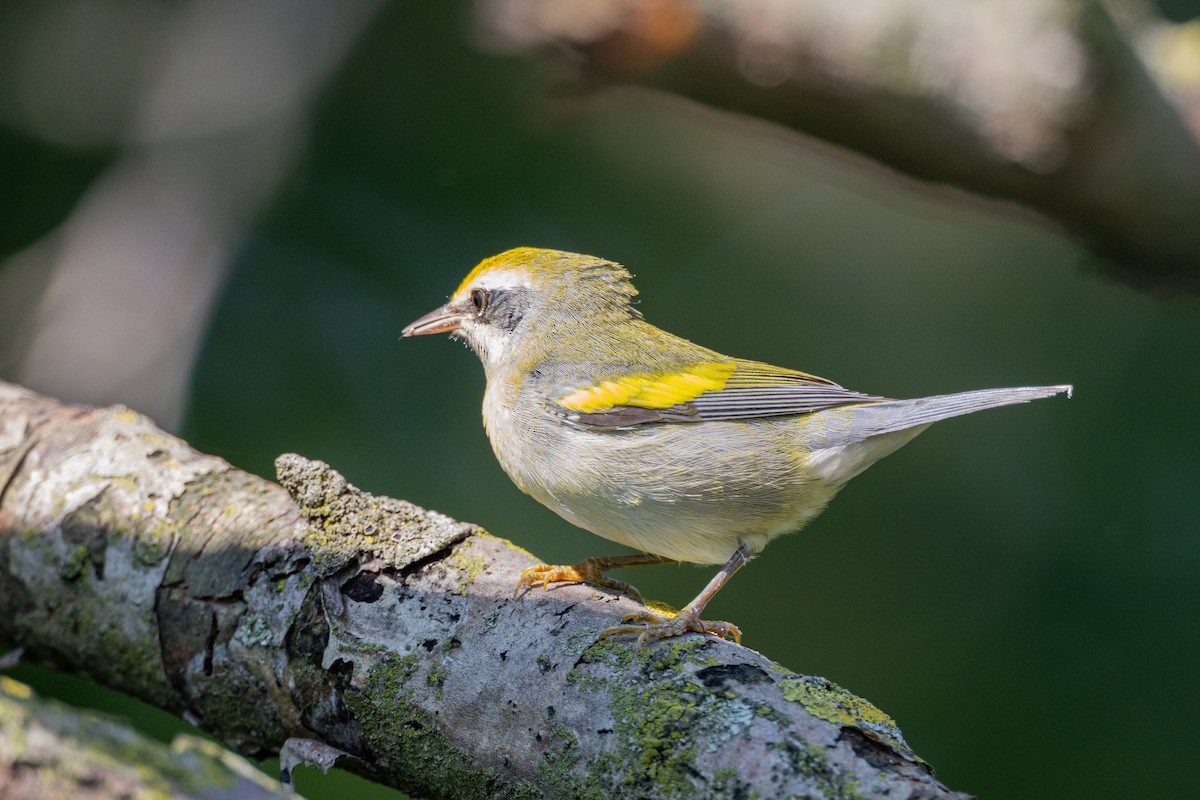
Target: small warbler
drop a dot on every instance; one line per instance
(654, 442)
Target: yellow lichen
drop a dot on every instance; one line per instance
(15, 688)
(828, 701)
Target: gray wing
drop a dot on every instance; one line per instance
(729, 404)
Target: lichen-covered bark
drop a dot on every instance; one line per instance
(388, 632)
(49, 751)
(1040, 102)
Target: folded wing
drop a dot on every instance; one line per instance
(728, 390)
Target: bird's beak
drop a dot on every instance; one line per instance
(440, 320)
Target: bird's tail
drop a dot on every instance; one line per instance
(867, 420)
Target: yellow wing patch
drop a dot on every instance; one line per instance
(650, 390)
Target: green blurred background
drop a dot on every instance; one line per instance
(1017, 589)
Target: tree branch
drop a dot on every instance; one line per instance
(50, 751)
(386, 631)
(1041, 102)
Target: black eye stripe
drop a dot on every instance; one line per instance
(501, 308)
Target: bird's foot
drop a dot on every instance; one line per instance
(651, 627)
(586, 571)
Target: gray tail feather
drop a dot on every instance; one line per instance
(896, 415)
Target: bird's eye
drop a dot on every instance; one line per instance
(479, 299)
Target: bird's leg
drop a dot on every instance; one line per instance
(590, 570)
(649, 626)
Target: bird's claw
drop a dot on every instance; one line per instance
(650, 627)
(583, 572)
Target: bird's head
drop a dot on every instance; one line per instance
(528, 298)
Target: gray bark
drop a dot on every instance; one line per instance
(386, 631)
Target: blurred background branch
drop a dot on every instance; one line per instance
(1046, 103)
(50, 751)
(204, 106)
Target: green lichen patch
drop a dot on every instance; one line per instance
(153, 541)
(405, 742)
(437, 679)
(811, 761)
(830, 702)
(83, 538)
(254, 629)
(663, 725)
(222, 702)
(109, 638)
(672, 655)
(137, 661)
(346, 523)
(608, 650)
(654, 731)
(30, 537)
(655, 747)
(75, 564)
(560, 757)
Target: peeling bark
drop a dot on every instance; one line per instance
(386, 631)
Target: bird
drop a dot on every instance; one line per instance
(651, 441)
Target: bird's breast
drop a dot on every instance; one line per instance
(686, 491)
